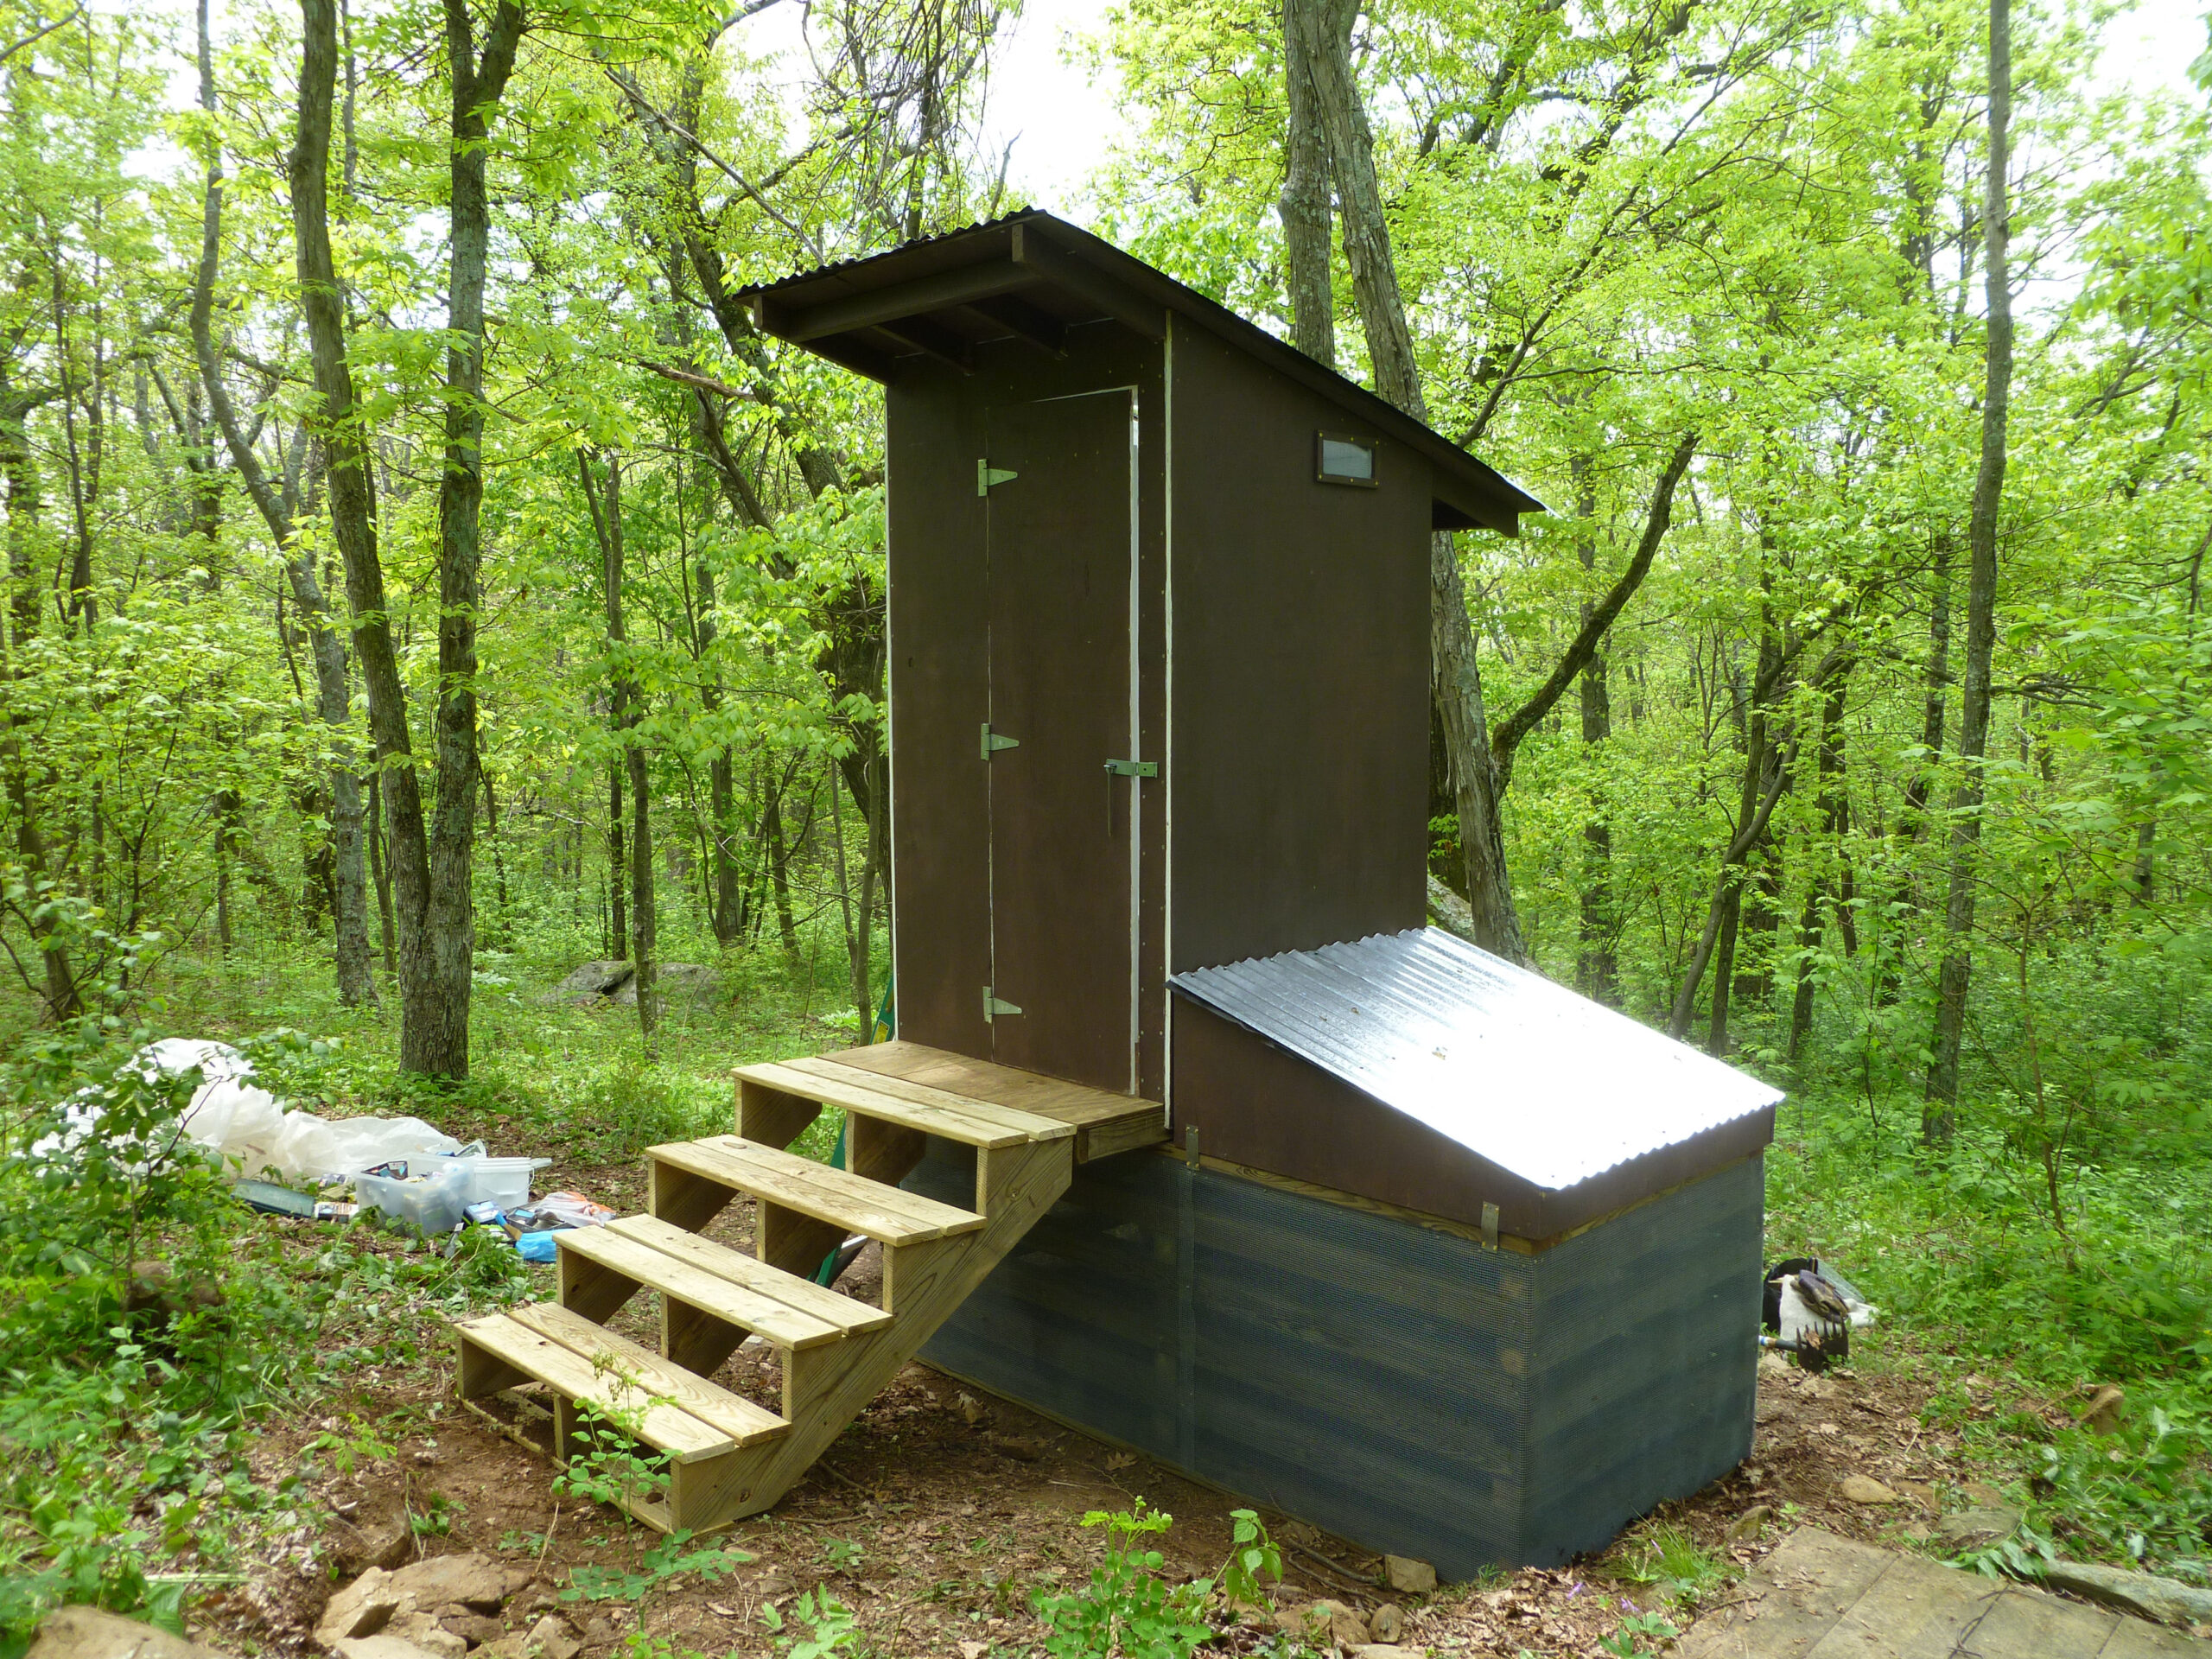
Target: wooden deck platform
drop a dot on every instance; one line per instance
(1105, 1123)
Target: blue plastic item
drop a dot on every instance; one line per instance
(535, 1247)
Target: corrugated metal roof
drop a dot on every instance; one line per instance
(1541, 1081)
(972, 244)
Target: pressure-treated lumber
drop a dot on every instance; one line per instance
(1104, 1122)
(933, 1111)
(853, 1202)
(801, 1295)
(923, 1283)
(710, 1293)
(667, 1428)
(733, 1414)
(728, 1457)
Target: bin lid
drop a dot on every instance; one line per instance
(1538, 1079)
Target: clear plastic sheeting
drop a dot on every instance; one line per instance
(252, 1128)
(1541, 1081)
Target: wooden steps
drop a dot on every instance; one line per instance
(727, 1456)
(893, 1100)
(852, 1202)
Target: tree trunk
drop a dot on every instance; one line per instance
(1939, 1112)
(1304, 204)
(1320, 30)
(624, 699)
(335, 869)
(618, 862)
(1724, 962)
(1596, 970)
(641, 887)
(374, 816)
(1835, 820)
(352, 505)
(441, 1046)
(772, 825)
(18, 471)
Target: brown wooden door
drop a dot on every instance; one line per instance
(1063, 846)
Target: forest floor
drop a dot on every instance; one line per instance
(940, 1514)
(943, 1509)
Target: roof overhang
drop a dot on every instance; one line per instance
(1028, 279)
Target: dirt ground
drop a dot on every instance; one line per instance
(942, 1509)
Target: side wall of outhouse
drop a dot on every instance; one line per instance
(1391, 1380)
(1298, 768)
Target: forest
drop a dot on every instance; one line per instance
(424, 577)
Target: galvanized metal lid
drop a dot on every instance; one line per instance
(1541, 1081)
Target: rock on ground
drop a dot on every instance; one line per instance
(591, 979)
(1975, 1528)
(1408, 1576)
(415, 1608)
(92, 1633)
(675, 981)
(1865, 1488)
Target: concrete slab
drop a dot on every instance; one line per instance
(1822, 1597)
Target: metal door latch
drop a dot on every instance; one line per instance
(987, 475)
(994, 741)
(1134, 768)
(993, 1006)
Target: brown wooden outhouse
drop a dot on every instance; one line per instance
(1159, 649)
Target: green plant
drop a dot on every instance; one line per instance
(1251, 1553)
(144, 1318)
(1627, 1639)
(1668, 1557)
(827, 1622)
(436, 1518)
(843, 1554)
(667, 1560)
(607, 1462)
(1128, 1609)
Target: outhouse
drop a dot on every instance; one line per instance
(1435, 1253)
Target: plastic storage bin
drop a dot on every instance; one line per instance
(433, 1204)
(503, 1181)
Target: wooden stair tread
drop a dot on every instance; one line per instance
(918, 1106)
(668, 1428)
(803, 1296)
(883, 1213)
(725, 1299)
(737, 1417)
(1105, 1123)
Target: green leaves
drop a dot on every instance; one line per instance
(1129, 1609)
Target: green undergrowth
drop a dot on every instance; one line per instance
(150, 1324)
(129, 1418)
(2017, 1305)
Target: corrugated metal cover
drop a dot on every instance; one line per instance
(1543, 1082)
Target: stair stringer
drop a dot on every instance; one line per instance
(825, 1388)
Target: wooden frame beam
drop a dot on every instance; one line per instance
(882, 305)
(1029, 324)
(1063, 270)
(931, 339)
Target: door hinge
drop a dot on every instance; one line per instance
(994, 741)
(1134, 768)
(987, 475)
(993, 1006)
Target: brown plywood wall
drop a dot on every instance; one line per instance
(1301, 674)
